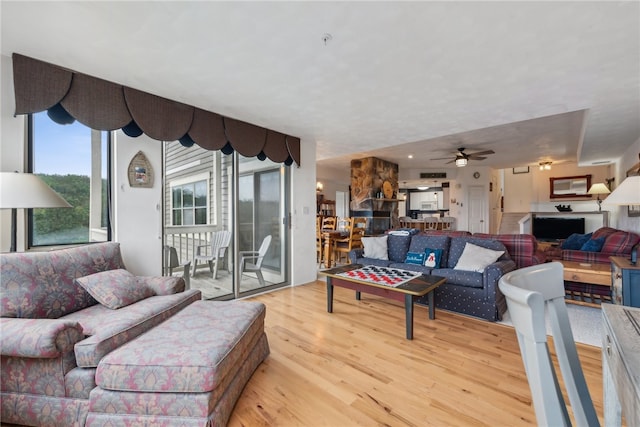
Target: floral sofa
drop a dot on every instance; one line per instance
(470, 289)
(84, 342)
(607, 241)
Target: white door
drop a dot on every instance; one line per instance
(477, 209)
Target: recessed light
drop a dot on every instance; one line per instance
(410, 156)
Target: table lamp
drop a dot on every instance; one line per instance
(26, 191)
(598, 189)
(627, 193)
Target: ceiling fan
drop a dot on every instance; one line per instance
(461, 158)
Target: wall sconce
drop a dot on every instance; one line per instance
(319, 186)
(545, 166)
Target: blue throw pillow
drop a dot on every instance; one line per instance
(575, 241)
(593, 245)
(415, 258)
(432, 257)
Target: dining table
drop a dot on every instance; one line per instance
(328, 236)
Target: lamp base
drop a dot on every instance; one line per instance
(634, 254)
(14, 231)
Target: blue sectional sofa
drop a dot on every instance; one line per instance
(474, 293)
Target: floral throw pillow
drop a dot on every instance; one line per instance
(114, 288)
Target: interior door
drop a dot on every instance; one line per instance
(477, 209)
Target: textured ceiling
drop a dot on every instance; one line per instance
(533, 81)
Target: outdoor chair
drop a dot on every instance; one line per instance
(530, 292)
(255, 258)
(172, 261)
(214, 252)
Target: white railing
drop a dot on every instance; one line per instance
(187, 238)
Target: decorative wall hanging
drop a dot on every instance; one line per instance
(140, 171)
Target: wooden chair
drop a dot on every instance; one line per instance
(319, 241)
(405, 222)
(431, 223)
(446, 223)
(356, 227)
(531, 291)
(329, 222)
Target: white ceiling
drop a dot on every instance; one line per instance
(533, 81)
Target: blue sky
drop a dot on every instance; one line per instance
(61, 149)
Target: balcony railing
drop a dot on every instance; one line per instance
(187, 238)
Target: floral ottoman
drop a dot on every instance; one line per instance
(187, 371)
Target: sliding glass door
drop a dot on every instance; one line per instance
(208, 194)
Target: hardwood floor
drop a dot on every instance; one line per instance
(354, 367)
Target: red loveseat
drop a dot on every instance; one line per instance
(616, 243)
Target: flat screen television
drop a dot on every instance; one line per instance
(552, 229)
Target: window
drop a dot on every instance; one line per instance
(189, 203)
(72, 159)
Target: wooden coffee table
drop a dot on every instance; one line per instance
(589, 274)
(407, 292)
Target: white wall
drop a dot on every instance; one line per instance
(138, 211)
(12, 137)
(620, 218)
(303, 211)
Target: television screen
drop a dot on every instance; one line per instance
(550, 229)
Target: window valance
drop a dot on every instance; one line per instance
(102, 105)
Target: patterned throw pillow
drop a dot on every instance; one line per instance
(114, 288)
(476, 258)
(432, 257)
(415, 258)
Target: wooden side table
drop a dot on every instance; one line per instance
(626, 282)
(589, 274)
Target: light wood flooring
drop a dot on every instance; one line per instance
(354, 367)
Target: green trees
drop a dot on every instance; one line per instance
(64, 225)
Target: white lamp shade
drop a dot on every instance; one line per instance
(599, 188)
(627, 193)
(25, 191)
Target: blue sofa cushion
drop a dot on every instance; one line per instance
(398, 246)
(421, 242)
(469, 279)
(575, 241)
(593, 245)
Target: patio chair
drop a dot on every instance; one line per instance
(531, 291)
(214, 252)
(256, 258)
(172, 261)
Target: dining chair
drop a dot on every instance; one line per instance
(214, 252)
(530, 292)
(329, 222)
(405, 222)
(256, 258)
(446, 223)
(431, 223)
(356, 228)
(319, 241)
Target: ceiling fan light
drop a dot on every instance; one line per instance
(461, 162)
